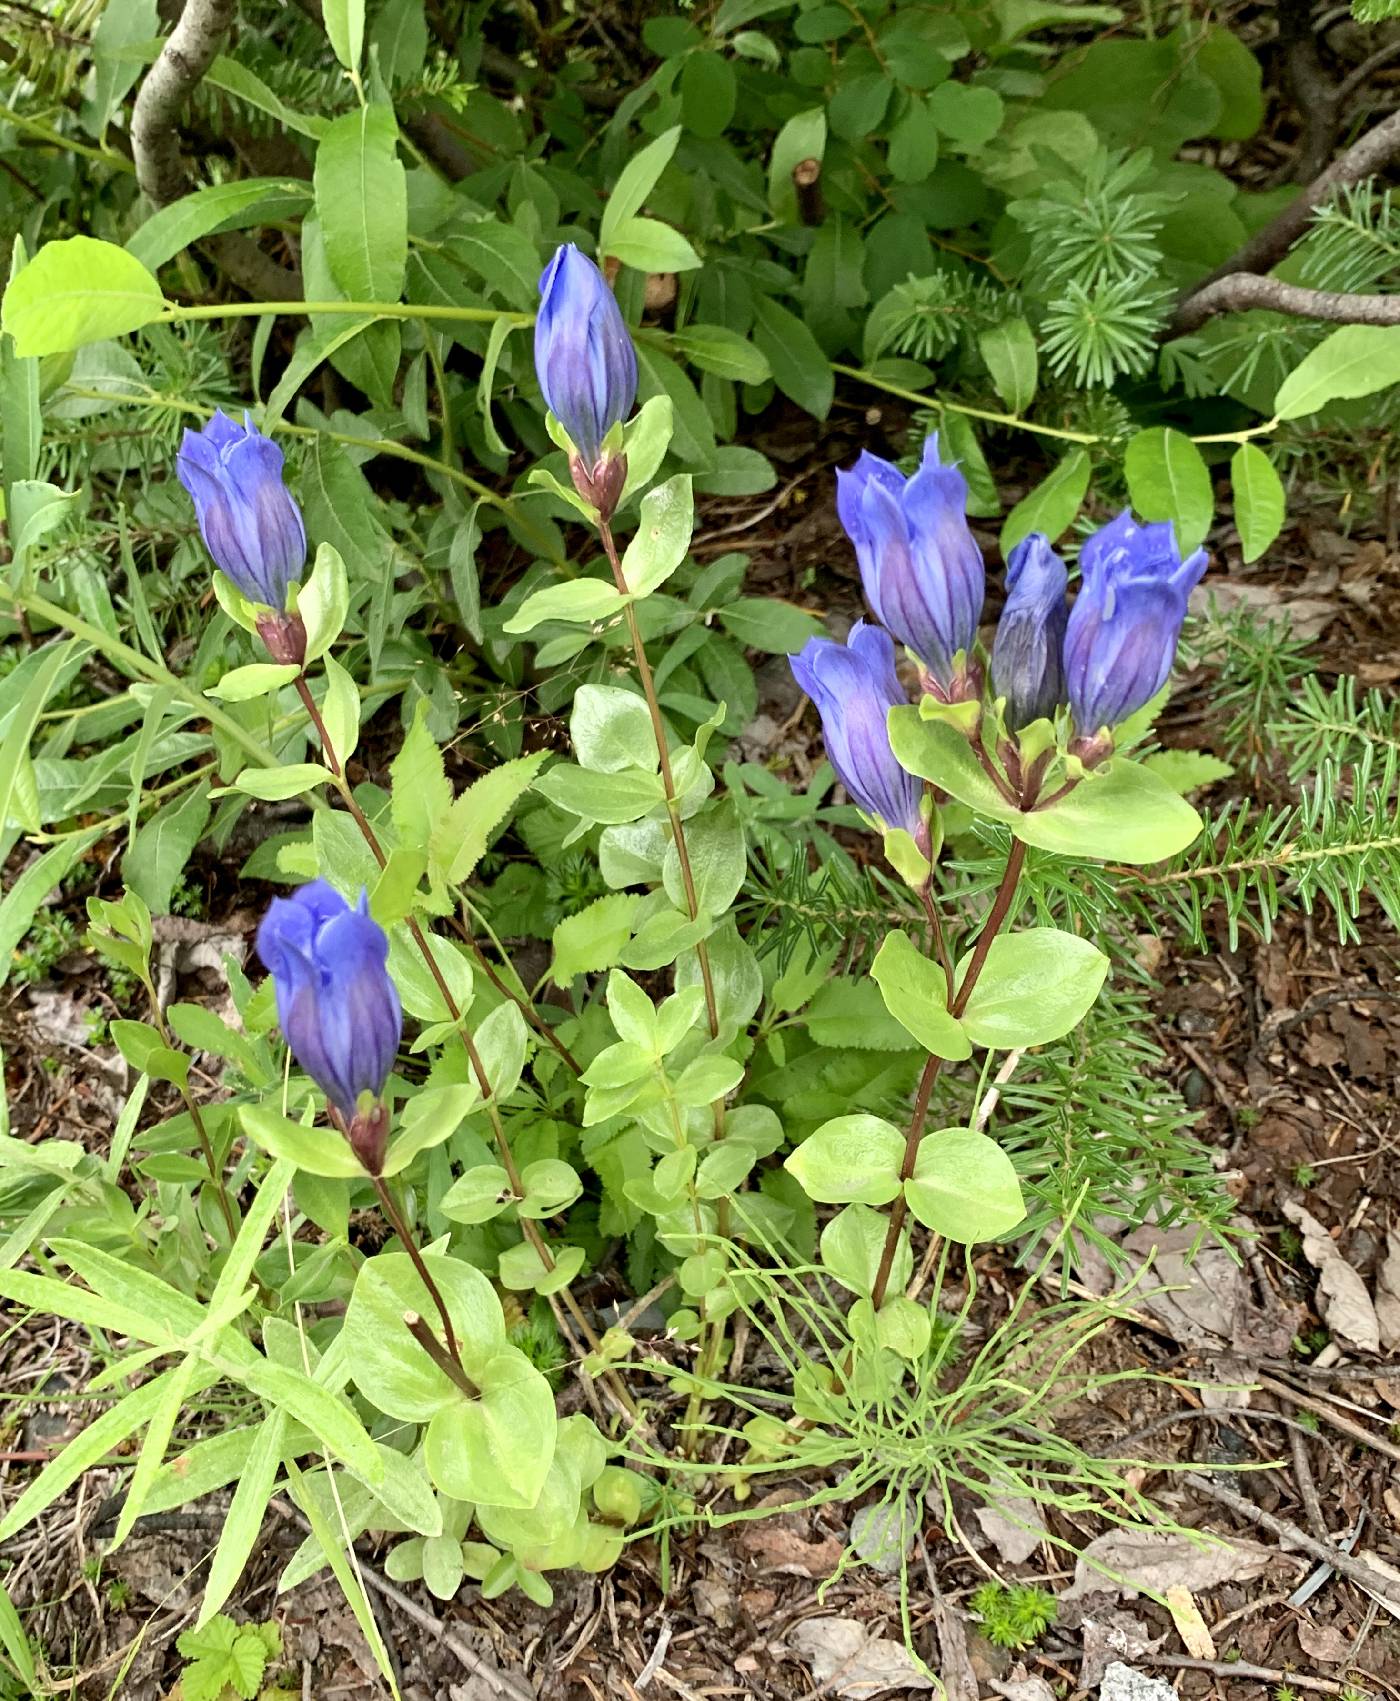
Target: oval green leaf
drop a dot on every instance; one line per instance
(964, 1187)
(849, 1160)
(78, 291)
(915, 992)
(1034, 987)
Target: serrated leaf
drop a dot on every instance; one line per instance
(459, 840)
(421, 792)
(595, 938)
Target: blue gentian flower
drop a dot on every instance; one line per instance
(336, 1005)
(922, 570)
(584, 357)
(247, 517)
(1028, 666)
(854, 686)
(1126, 620)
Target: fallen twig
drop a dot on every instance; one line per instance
(500, 1683)
(1240, 1668)
(1268, 246)
(1320, 1408)
(1357, 1570)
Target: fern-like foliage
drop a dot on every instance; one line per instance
(1340, 841)
(1354, 242)
(1096, 228)
(928, 318)
(1103, 329)
(1092, 1116)
(1260, 669)
(1341, 721)
(837, 904)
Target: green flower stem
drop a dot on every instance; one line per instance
(996, 917)
(639, 655)
(529, 1228)
(1016, 423)
(43, 133)
(177, 314)
(148, 670)
(715, 1331)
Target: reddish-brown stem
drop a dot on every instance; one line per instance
(206, 1145)
(900, 1209)
(1001, 906)
(996, 916)
(395, 1219)
(993, 773)
(529, 1228)
(528, 1011)
(940, 944)
(450, 1367)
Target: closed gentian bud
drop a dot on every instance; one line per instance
(854, 686)
(336, 1005)
(587, 369)
(922, 570)
(1123, 628)
(1028, 652)
(248, 518)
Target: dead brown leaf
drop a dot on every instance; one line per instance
(1015, 1526)
(1388, 1293)
(1190, 1626)
(1342, 1298)
(848, 1660)
(1153, 1561)
(775, 1547)
(1323, 1642)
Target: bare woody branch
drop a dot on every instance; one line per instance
(1242, 290)
(1370, 154)
(189, 51)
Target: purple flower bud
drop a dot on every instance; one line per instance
(337, 1008)
(1028, 653)
(584, 357)
(922, 570)
(1126, 620)
(247, 517)
(854, 687)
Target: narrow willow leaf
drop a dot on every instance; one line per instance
(256, 1481)
(179, 1383)
(88, 1448)
(1168, 480)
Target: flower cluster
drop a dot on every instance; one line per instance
(1103, 657)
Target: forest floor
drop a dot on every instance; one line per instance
(1287, 1048)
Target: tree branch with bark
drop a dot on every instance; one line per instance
(1237, 284)
(189, 51)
